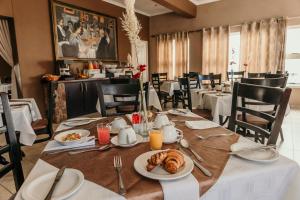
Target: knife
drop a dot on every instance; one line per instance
(57, 179)
(203, 169)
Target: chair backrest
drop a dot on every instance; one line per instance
(257, 75)
(194, 79)
(274, 75)
(270, 82)
(120, 80)
(146, 89)
(269, 95)
(12, 146)
(124, 95)
(235, 76)
(157, 79)
(184, 84)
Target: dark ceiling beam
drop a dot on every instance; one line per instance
(183, 7)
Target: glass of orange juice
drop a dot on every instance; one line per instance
(156, 139)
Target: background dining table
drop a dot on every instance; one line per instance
(24, 112)
(240, 179)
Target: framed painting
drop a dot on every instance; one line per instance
(81, 34)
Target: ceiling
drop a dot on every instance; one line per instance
(150, 8)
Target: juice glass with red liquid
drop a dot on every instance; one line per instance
(103, 134)
(136, 120)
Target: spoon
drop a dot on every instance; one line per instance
(103, 148)
(185, 144)
(210, 136)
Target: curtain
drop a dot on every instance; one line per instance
(181, 53)
(7, 54)
(215, 50)
(263, 46)
(165, 55)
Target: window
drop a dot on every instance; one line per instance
(234, 51)
(292, 62)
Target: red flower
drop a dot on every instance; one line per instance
(137, 75)
(142, 68)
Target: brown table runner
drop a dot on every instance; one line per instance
(98, 166)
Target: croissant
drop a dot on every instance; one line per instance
(156, 159)
(173, 162)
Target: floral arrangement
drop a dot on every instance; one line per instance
(132, 27)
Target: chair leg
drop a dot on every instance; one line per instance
(281, 134)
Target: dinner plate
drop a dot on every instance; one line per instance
(74, 123)
(83, 133)
(70, 182)
(260, 155)
(158, 173)
(115, 141)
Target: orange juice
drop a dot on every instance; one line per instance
(156, 139)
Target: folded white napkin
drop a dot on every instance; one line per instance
(88, 190)
(201, 124)
(62, 125)
(53, 145)
(185, 188)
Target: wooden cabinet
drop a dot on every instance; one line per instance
(81, 97)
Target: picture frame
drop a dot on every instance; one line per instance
(81, 34)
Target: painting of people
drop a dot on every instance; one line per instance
(81, 34)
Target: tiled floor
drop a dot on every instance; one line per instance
(289, 148)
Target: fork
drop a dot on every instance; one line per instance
(118, 167)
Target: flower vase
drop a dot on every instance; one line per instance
(144, 128)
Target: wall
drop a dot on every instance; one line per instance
(224, 12)
(33, 31)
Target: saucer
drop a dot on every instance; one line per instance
(115, 141)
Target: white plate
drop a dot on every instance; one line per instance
(262, 155)
(158, 173)
(74, 123)
(83, 133)
(69, 183)
(151, 124)
(115, 141)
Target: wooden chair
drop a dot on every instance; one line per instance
(44, 126)
(119, 91)
(274, 75)
(204, 78)
(157, 80)
(257, 75)
(184, 94)
(269, 95)
(270, 82)
(194, 79)
(12, 146)
(146, 89)
(235, 76)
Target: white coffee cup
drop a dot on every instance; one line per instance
(170, 133)
(127, 136)
(218, 87)
(161, 120)
(118, 123)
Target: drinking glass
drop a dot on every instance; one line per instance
(103, 134)
(156, 139)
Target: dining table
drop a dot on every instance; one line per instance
(24, 111)
(233, 178)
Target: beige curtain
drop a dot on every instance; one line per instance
(215, 50)
(165, 55)
(181, 53)
(263, 45)
(7, 54)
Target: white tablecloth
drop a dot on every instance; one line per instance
(221, 105)
(23, 117)
(169, 87)
(245, 180)
(152, 101)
